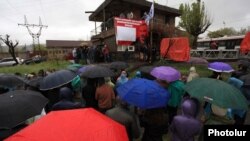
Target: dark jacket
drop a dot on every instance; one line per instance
(88, 93)
(155, 124)
(66, 100)
(127, 119)
(184, 127)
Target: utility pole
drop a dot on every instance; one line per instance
(35, 36)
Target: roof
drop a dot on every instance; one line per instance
(66, 43)
(120, 5)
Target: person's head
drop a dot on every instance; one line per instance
(123, 74)
(138, 74)
(66, 93)
(190, 107)
(192, 69)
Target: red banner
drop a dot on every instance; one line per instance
(128, 31)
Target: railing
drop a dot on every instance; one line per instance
(216, 54)
(158, 26)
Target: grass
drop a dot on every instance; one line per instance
(25, 69)
(57, 65)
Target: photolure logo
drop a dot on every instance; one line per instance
(234, 132)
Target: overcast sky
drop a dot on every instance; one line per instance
(67, 20)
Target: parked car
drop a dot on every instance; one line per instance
(10, 61)
(34, 59)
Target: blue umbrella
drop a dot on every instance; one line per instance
(220, 67)
(143, 93)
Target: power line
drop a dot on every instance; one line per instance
(34, 36)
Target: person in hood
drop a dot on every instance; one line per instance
(66, 100)
(186, 126)
(192, 74)
(122, 79)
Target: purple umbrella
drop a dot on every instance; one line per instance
(197, 60)
(166, 73)
(220, 67)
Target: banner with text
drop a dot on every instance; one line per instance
(128, 31)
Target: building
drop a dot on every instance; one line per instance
(61, 49)
(163, 21)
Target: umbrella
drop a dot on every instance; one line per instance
(119, 65)
(73, 125)
(244, 63)
(145, 72)
(35, 82)
(197, 60)
(216, 92)
(57, 79)
(146, 69)
(97, 71)
(74, 67)
(166, 73)
(143, 93)
(18, 106)
(84, 68)
(220, 67)
(10, 81)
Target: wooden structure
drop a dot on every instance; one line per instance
(163, 21)
(59, 49)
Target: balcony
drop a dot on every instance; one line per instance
(107, 29)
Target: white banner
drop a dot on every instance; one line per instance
(125, 33)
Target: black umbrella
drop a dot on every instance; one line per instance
(10, 81)
(145, 72)
(18, 106)
(244, 63)
(35, 82)
(146, 69)
(119, 65)
(57, 79)
(97, 71)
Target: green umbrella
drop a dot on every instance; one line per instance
(216, 92)
(74, 67)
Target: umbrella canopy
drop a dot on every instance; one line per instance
(220, 67)
(166, 73)
(197, 60)
(143, 93)
(73, 125)
(74, 67)
(146, 69)
(10, 81)
(84, 68)
(97, 71)
(244, 63)
(35, 82)
(19, 105)
(57, 79)
(216, 92)
(119, 65)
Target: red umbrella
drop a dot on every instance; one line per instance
(72, 125)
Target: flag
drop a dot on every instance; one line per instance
(150, 14)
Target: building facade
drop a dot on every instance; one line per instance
(62, 49)
(162, 25)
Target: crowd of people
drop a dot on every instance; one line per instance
(183, 116)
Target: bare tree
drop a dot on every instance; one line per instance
(11, 45)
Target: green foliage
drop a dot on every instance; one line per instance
(194, 19)
(227, 32)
